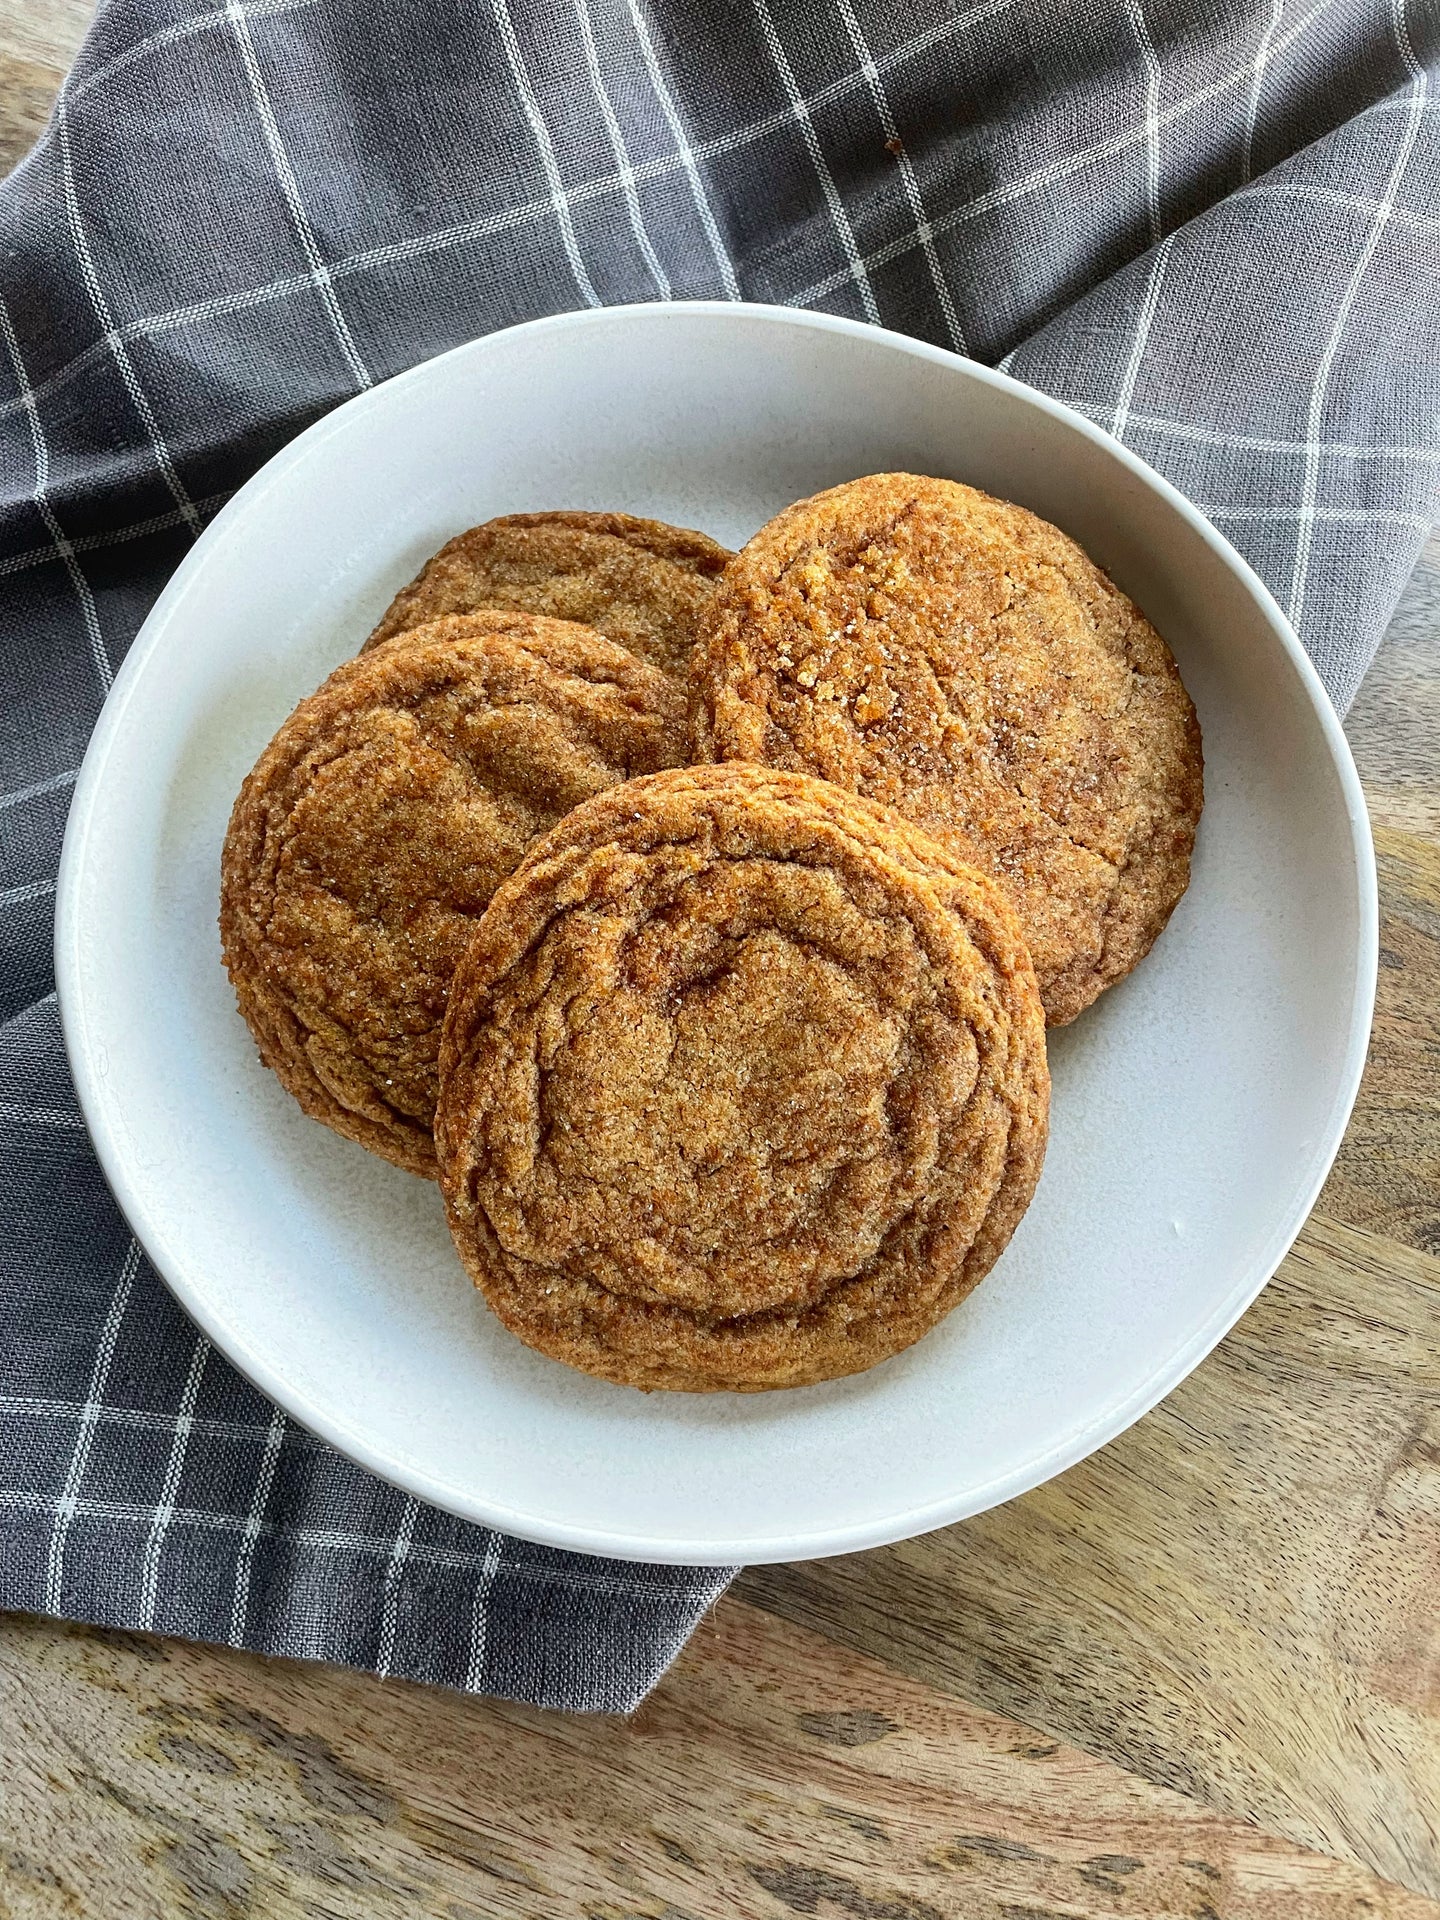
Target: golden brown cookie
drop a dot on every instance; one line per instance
(377, 824)
(639, 582)
(743, 1084)
(963, 661)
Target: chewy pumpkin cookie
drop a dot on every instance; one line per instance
(743, 1084)
(641, 583)
(963, 661)
(378, 822)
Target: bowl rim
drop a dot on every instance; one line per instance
(820, 1542)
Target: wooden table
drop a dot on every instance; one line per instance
(1197, 1676)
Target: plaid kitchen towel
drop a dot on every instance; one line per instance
(1211, 225)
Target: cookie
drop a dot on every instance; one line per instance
(743, 1084)
(959, 659)
(376, 825)
(639, 582)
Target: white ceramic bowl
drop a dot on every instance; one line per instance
(1197, 1106)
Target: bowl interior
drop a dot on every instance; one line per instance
(1196, 1106)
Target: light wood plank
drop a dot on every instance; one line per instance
(1391, 726)
(767, 1778)
(1237, 1597)
(1387, 1177)
(38, 39)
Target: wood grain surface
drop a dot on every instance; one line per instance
(1198, 1675)
(37, 38)
(767, 1776)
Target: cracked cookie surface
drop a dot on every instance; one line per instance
(957, 658)
(641, 583)
(743, 1084)
(379, 821)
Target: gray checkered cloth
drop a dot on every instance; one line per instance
(1213, 226)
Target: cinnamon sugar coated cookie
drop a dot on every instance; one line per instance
(743, 1084)
(957, 658)
(641, 583)
(375, 827)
